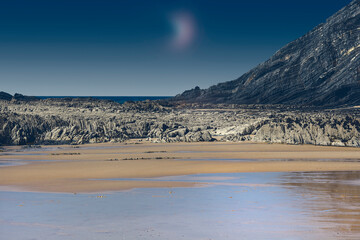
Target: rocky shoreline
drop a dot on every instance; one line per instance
(79, 121)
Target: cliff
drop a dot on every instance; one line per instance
(321, 68)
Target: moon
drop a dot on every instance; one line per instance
(184, 30)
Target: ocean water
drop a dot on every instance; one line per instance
(118, 99)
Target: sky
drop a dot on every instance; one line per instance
(143, 47)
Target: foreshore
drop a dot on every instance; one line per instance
(93, 167)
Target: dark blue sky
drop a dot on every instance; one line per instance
(133, 47)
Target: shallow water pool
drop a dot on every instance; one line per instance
(229, 206)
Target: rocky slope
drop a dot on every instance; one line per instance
(320, 68)
(77, 121)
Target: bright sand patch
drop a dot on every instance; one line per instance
(75, 173)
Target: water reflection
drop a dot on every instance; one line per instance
(17, 162)
(332, 198)
(231, 206)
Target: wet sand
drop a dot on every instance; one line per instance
(79, 169)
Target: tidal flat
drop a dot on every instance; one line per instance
(205, 191)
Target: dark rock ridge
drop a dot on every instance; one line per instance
(78, 121)
(5, 96)
(16, 97)
(320, 68)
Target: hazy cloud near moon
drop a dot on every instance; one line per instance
(184, 30)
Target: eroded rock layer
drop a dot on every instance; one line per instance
(78, 121)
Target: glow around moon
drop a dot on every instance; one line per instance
(184, 30)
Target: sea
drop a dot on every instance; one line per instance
(118, 99)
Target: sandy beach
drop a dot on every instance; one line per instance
(76, 169)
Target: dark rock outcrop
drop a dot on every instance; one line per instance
(5, 96)
(17, 97)
(320, 68)
(20, 97)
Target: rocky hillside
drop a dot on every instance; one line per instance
(320, 68)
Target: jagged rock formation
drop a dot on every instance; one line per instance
(77, 121)
(320, 68)
(317, 129)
